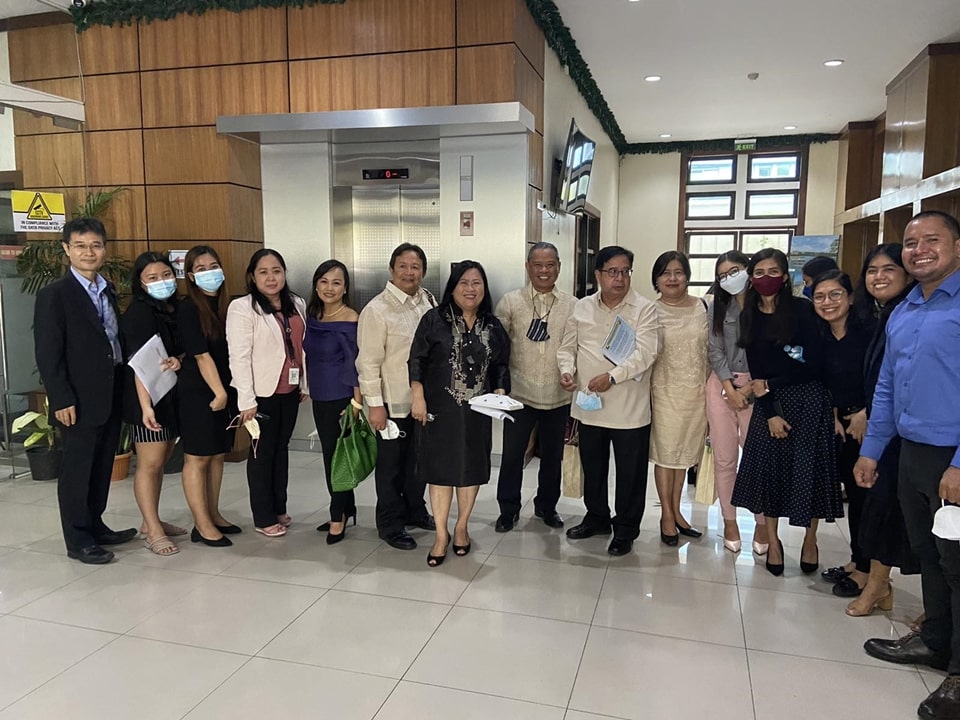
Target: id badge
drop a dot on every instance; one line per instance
(294, 378)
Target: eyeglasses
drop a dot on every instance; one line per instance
(614, 272)
(83, 247)
(731, 273)
(832, 296)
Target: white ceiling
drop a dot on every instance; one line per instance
(705, 48)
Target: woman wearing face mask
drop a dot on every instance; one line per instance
(846, 337)
(152, 311)
(729, 393)
(331, 346)
(265, 331)
(676, 390)
(205, 395)
(789, 458)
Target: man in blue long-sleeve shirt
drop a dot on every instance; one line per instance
(916, 398)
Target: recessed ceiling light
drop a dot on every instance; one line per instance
(789, 127)
(833, 63)
(666, 135)
(653, 78)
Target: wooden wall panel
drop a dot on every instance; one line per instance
(528, 36)
(112, 101)
(219, 37)
(893, 137)
(855, 178)
(44, 52)
(234, 257)
(126, 220)
(106, 50)
(174, 98)
(534, 229)
(486, 74)
(114, 157)
(364, 27)
(175, 156)
(485, 22)
(415, 79)
(535, 160)
(942, 141)
(204, 212)
(915, 126)
(25, 123)
(243, 162)
(51, 160)
(129, 250)
(529, 88)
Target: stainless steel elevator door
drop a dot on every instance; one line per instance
(380, 219)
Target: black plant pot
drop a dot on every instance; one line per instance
(45, 463)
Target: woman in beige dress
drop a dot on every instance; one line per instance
(677, 390)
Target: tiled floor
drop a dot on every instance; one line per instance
(529, 626)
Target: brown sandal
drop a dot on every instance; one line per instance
(162, 546)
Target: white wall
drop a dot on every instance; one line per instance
(8, 159)
(821, 188)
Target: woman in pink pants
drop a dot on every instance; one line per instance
(729, 399)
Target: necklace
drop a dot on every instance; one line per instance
(336, 312)
(673, 304)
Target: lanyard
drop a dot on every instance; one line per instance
(287, 338)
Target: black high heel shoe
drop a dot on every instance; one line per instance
(325, 527)
(461, 550)
(437, 560)
(690, 532)
(671, 540)
(196, 537)
(810, 568)
(776, 570)
(333, 539)
(229, 529)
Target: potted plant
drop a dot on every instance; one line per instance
(43, 452)
(121, 461)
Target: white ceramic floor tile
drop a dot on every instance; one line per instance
(21, 525)
(637, 676)
(261, 687)
(577, 715)
(808, 626)
(35, 651)
(229, 614)
(26, 490)
(511, 656)
(115, 598)
(537, 544)
(535, 587)
(129, 678)
(428, 702)
(931, 678)
(26, 576)
(362, 633)
(752, 572)
(702, 559)
(793, 688)
(663, 605)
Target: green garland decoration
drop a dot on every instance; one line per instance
(125, 12)
(725, 145)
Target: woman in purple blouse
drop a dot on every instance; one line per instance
(330, 346)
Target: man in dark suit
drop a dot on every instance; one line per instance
(78, 353)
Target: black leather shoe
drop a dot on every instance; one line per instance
(671, 540)
(583, 531)
(809, 568)
(222, 541)
(944, 702)
(835, 574)
(690, 532)
(229, 529)
(91, 555)
(908, 650)
(424, 523)
(401, 540)
(551, 519)
(620, 546)
(116, 537)
(775, 569)
(847, 588)
(506, 523)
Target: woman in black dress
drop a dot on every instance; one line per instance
(205, 394)
(789, 459)
(152, 311)
(460, 350)
(846, 338)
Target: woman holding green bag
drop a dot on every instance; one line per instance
(331, 350)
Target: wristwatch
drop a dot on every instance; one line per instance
(613, 380)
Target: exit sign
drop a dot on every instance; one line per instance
(741, 144)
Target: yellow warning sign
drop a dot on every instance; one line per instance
(35, 211)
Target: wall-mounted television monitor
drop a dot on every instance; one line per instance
(574, 176)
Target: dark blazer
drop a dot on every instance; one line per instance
(73, 354)
(143, 319)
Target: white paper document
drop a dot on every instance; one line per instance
(620, 343)
(493, 401)
(495, 414)
(147, 363)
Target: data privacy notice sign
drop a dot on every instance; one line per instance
(35, 211)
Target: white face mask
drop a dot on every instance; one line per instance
(588, 400)
(391, 431)
(946, 522)
(735, 284)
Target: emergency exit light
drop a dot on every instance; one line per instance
(387, 174)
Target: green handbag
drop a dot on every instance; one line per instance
(356, 453)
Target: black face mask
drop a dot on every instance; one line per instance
(538, 330)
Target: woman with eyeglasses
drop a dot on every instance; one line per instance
(152, 311)
(729, 392)
(789, 467)
(679, 420)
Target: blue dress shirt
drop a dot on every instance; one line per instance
(97, 292)
(919, 386)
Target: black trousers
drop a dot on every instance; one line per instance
(551, 425)
(399, 492)
(921, 467)
(631, 450)
(84, 483)
(326, 415)
(847, 453)
(268, 472)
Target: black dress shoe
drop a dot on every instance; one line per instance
(908, 650)
(835, 574)
(944, 702)
(671, 540)
(550, 519)
(847, 588)
(620, 546)
(775, 569)
(506, 523)
(424, 523)
(222, 541)
(91, 555)
(583, 531)
(809, 568)
(401, 540)
(116, 537)
(690, 532)
(229, 529)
